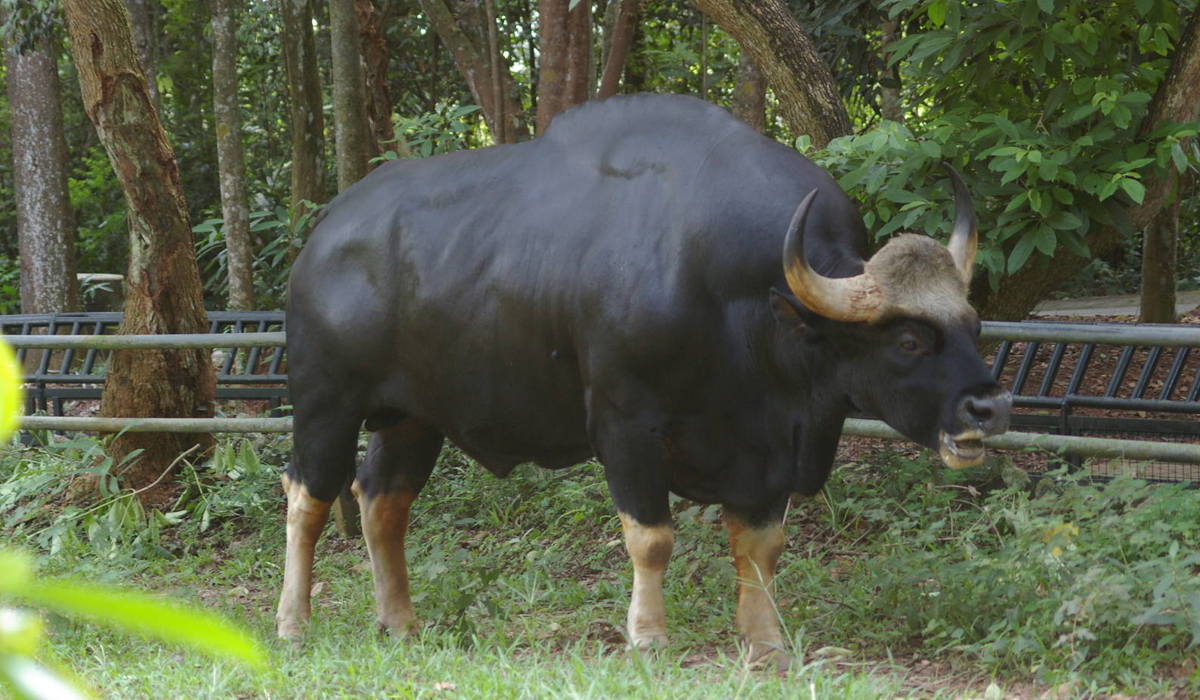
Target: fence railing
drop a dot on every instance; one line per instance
(1185, 339)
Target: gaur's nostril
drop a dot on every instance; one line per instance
(980, 410)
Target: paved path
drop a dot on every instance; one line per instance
(1123, 305)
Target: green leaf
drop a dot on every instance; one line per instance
(1046, 6)
(937, 12)
(1046, 240)
(150, 616)
(876, 180)
(1133, 188)
(1035, 200)
(1021, 252)
(1064, 220)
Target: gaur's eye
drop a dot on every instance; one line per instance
(909, 345)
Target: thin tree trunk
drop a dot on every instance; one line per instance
(636, 64)
(889, 81)
(353, 133)
(145, 36)
(579, 58)
(1159, 245)
(474, 64)
(750, 95)
(628, 14)
(307, 117)
(45, 225)
(375, 63)
(554, 46)
(566, 44)
(235, 205)
(808, 97)
(163, 282)
(494, 59)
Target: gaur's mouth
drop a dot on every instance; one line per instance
(962, 450)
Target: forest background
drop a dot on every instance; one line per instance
(1045, 104)
(140, 127)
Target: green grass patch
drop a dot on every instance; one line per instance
(902, 580)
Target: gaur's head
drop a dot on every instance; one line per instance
(902, 335)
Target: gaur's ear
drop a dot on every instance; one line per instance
(788, 311)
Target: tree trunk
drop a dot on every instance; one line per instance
(750, 95)
(554, 47)
(808, 97)
(1177, 99)
(637, 65)
(494, 61)
(45, 224)
(235, 205)
(307, 117)
(628, 15)
(474, 63)
(565, 43)
(579, 54)
(145, 36)
(353, 133)
(1159, 277)
(375, 62)
(163, 283)
(889, 81)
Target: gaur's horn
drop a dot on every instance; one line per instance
(964, 239)
(849, 299)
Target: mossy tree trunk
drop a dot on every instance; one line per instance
(231, 160)
(304, 95)
(767, 31)
(352, 130)
(45, 223)
(565, 43)
(164, 293)
(750, 94)
(375, 64)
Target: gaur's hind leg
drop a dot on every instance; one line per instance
(399, 461)
(322, 463)
(756, 542)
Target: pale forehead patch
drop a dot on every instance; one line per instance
(918, 278)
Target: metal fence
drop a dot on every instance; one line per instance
(1143, 379)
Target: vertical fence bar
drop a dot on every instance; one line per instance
(1031, 350)
(1147, 372)
(1120, 371)
(1175, 372)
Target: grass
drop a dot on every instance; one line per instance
(902, 580)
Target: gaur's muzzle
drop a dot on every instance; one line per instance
(978, 417)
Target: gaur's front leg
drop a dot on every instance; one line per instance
(756, 541)
(649, 548)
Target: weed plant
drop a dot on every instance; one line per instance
(524, 582)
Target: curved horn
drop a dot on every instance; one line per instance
(849, 299)
(964, 239)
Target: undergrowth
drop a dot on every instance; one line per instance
(1065, 580)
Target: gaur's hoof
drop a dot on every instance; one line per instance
(768, 657)
(289, 631)
(649, 642)
(399, 630)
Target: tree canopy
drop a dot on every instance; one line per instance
(1046, 106)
